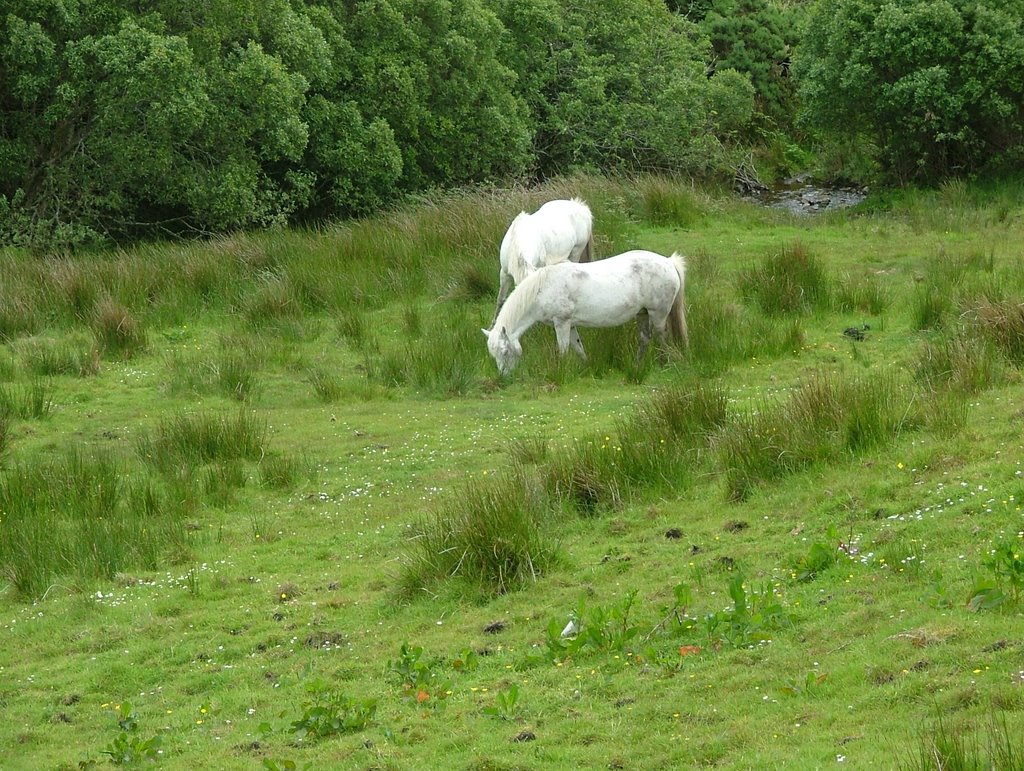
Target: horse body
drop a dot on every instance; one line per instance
(605, 293)
(558, 231)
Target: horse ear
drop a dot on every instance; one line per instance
(487, 332)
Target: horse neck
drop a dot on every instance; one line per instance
(520, 311)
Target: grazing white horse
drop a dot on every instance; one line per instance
(558, 231)
(605, 293)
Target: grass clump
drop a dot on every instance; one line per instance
(793, 281)
(656, 449)
(823, 419)
(118, 333)
(964, 363)
(235, 374)
(489, 535)
(275, 300)
(83, 517)
(28, 402)
(724, 332)
(667, 204)
(441, 355)
(279, 471)
(45, 358)
(1003, 324)
(19, 313)
(194, 439)
(951, 747)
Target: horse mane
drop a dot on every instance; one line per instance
(518, 268)
(522, 297)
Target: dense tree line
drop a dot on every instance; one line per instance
(934, 88)
(120, 119)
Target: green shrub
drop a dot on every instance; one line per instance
(490, 534)
(793, 281)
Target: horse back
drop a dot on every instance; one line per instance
(566, 227)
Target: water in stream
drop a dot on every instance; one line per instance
(800, 196)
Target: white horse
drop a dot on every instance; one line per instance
(558, 231)
(605, 293)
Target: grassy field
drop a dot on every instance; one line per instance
(265, 502)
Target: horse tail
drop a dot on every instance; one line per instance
(588, 223)
(677, 314)
(588, 251)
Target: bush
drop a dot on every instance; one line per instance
(934, 85)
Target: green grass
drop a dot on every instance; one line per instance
(264, 500)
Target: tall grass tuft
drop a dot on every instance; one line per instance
(723, 332)
(326, 383)
(1003, 324)
(443, 355)
(118, 333)
(931, 306)
(232, 373)
(793, 281)
(352, 327)
(587, 478)
(863, 293)
(8, 367)
(219, 481)
(823, 419)
(276, 299)
(472, 284)
(490, 534)
(26, 402)
(282, 472)
(948, 747)
(666, 203)
(656, 449)
(19, 313)
(75, 288)
(45, 358)
(81, 518)
(194, 439)
(965, 363)
(528, 451)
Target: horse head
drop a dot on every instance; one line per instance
(505, 351)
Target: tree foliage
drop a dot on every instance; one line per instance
(204, 117)
(614, 90)
(936, 86)
(756, 37)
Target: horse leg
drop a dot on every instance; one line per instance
(567, 335)
(661, 329)
(643, 323)
(576, 343)
(504, 286)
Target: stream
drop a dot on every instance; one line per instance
(800, 195)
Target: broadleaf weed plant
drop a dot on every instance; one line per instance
(327, 713)
(422, 681)
(820, 557)
(1005, 563)
(753, 618)
(506, 704)
(128, 748)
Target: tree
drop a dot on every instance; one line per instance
(756, 37)
(430, 69)
(936, 86)
(616, 88)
